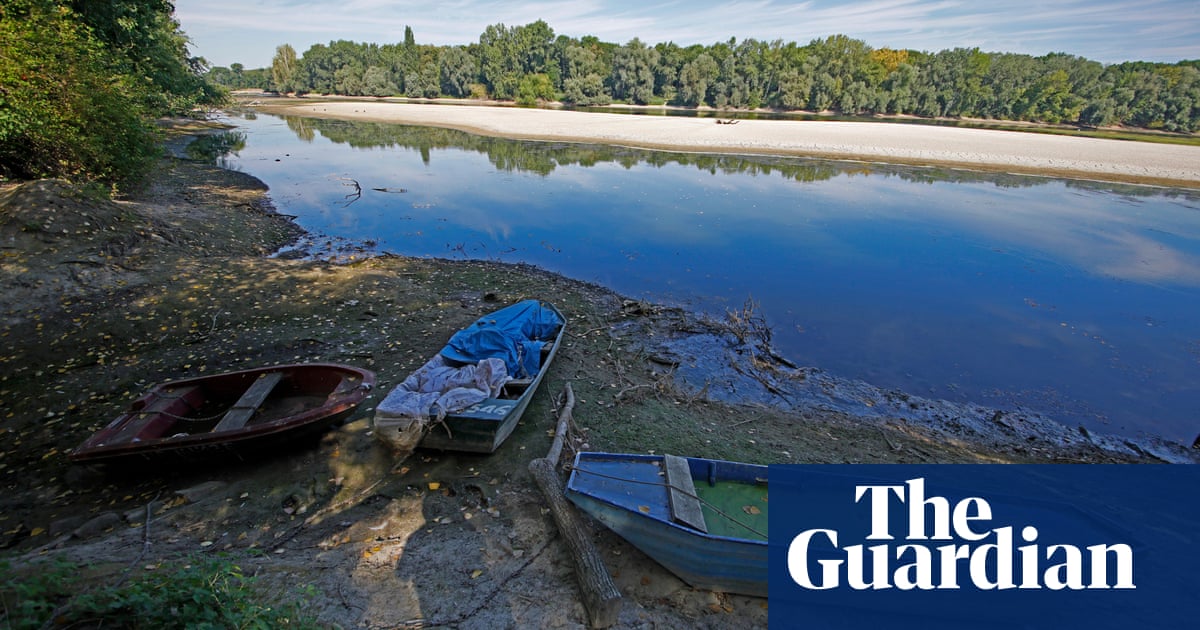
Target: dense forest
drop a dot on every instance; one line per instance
(529, 64)
(82, 83)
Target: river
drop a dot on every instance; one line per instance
(1073, 299)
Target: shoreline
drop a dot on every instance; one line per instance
(896, 143)
(175, 281)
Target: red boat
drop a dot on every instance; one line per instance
(230, 413)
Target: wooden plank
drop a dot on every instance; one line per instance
(685, 506)
(241, 411)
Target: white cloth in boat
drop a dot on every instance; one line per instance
(438, 388)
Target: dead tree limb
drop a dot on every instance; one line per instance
(354, 196)
(600, 595)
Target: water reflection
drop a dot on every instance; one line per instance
(216, 148)
(1074, 298)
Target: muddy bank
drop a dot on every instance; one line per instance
(103, 298)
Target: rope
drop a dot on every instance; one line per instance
(679, 490)
(182, 397)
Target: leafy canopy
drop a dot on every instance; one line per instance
(81, 82)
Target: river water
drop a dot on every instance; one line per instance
(1078, 300)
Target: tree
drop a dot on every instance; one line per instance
(534, 88)
(66, 107)
(377, 81)
(897, 90)
(457, 71)
(835, 73)
(499, 60)
(283, 69)
(954, 79)
(633, 72)
(145, 42)
(507, 54)
(695, 78)
(794, 89)
(425, 82)
(588, 90)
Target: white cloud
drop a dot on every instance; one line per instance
(226, 31)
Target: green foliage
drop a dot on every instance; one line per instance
(80, 83)
(283, 69)
(837, 73)
(633, 72)
(205, 593)
(148, 48)
(66, 109)
(478, 91)
(458, 72)
(237, 77)
(535, 88)
(695, 78)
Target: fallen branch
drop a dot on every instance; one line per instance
(354, 196)
(564, 421)
(600, 595)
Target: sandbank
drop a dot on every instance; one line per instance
(982, 149)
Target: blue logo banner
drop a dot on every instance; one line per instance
(984, 546)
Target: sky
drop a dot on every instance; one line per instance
(225, 32)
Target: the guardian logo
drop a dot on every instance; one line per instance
(949, 546)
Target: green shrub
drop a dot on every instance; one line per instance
(207, 592)
(65, 111)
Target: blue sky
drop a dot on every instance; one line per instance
(248, 31)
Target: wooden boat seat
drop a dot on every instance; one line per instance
(242, 410)
(159, 416)
(685, 505)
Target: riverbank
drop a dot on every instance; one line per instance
(103, 298)
(981, 149)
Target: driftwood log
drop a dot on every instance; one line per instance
(600, 595)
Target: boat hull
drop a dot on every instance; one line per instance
(235, 413)
(483, 426)
(628, 494)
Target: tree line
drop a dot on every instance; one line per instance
(529, 64)
(82, 82)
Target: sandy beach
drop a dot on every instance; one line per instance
(983, 149)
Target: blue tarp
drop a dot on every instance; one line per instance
(514, 334)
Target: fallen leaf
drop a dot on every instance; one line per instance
(644, 509)
(476, 573)
(433, 485)
(750, 509)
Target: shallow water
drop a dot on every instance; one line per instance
(1075, 299)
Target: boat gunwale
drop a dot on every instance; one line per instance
(336, 406)
(507, 423)
(689, 531)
